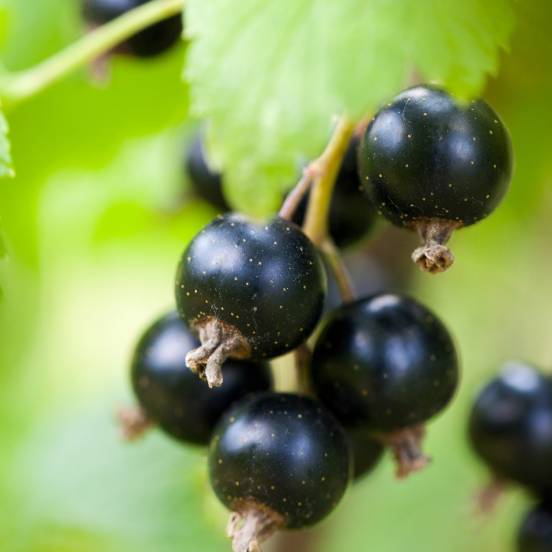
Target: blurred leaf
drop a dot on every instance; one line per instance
(269, 75)
(78, 480)
(6, 168)
(50, 23)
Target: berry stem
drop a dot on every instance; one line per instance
(22, 85)
(327, 167)
(340, 272)
(293, 199)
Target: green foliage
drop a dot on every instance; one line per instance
(269, 75)
(6, 168)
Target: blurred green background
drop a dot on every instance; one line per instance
(93, 226)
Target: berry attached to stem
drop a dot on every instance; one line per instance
(433, 164)
(250, 290)
(386, 365)
(277, 461)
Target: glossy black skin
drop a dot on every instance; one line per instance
(427, 156)
(366, 452)
(206, 182)
(152, 41)
(510, 426)
(283, 452)
(173, 397)
(265, 279)
(384, 363)
(352, 213)
(535, 533)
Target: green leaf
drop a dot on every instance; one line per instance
(269, 76)
(78, 482)
(6, 168)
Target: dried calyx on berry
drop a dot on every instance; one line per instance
(250, 290)
(385, 365)
(433, 164)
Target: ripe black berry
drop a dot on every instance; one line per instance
(535, 533)
(367, 452)
(385, 364)
(278, 461)
(510, 426)
(352, 213)
(172, 397)
(434, 165)
(250, 290)
(206, 182)
(150, 42)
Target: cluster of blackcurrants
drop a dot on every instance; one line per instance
(381, 366)
(511, 430)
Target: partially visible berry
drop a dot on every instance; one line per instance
(206, 182)
(250, 290)
(149, 42)
(277, 461)
(433, 164)
(535, 533)
(172, 397)
(510, 426)
(386, 365)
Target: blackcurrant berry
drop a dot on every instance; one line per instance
(385, 364)
(510, 426)
(172, 397)
(433, 164)
(151, 41)
(352, 213)
(206, 182)
(535, 533)
(277, 461)
(250, 290)
(367, 452)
